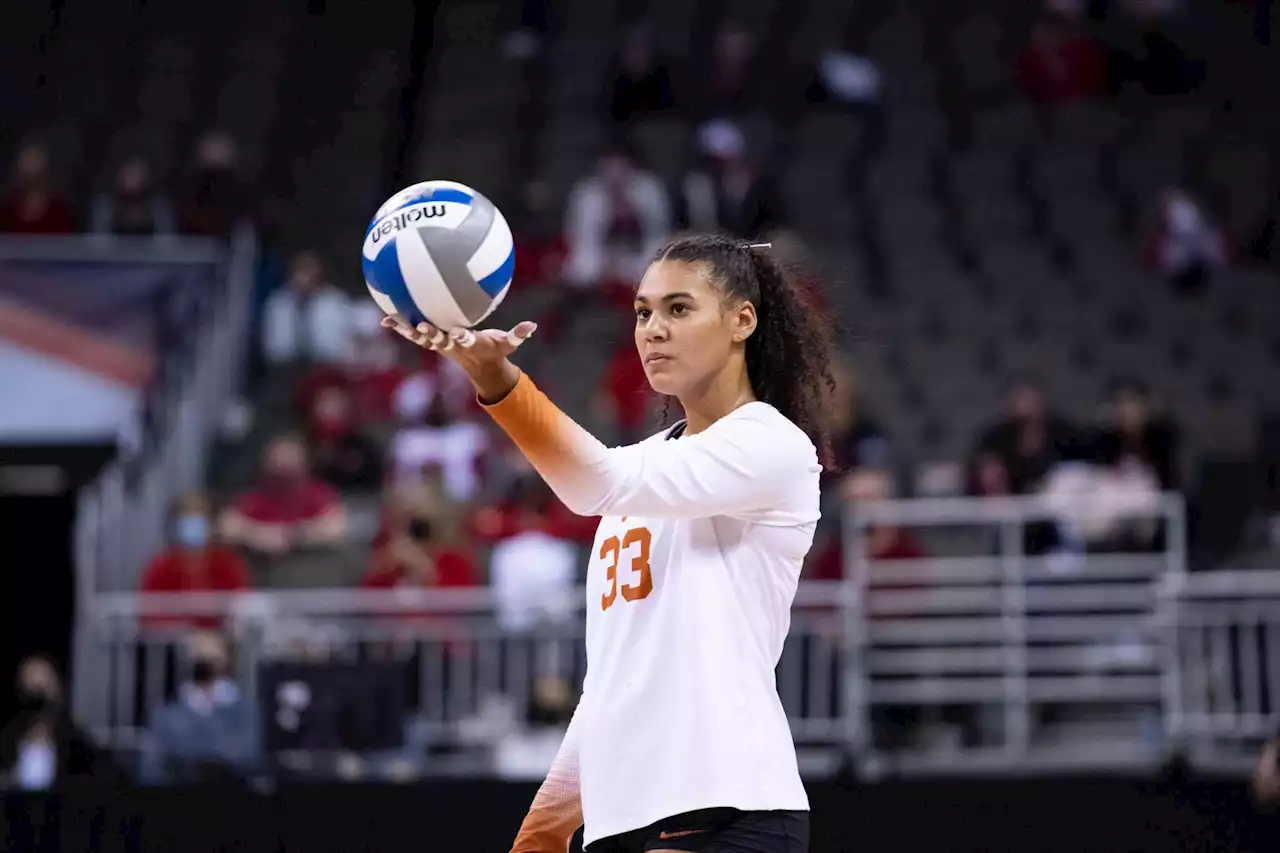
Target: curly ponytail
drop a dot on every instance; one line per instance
(789, 354)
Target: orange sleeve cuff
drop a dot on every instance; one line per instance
(535, 424)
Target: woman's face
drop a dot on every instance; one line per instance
(684, 331)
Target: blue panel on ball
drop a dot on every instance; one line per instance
(445, 194)
(450, 195)
(387, 279)
(495, 281)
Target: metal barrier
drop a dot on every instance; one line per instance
(1224, 685)
(462, 659)
(1018, 655)
(1077, 661)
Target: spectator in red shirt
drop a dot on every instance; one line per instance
(416, 555)
(289, 509)
(532, 506)
(193, 563)
(370, 376)
(1061, 62)
(33, 205)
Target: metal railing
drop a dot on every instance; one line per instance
(1018, 642)
(1224, 637)
(1084, 661)
(120, 516)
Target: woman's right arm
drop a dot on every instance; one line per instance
(556, 812)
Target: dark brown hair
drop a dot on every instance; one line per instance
(789, 354)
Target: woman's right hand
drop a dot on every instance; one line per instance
(482, 354)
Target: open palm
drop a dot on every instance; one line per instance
(470, 348)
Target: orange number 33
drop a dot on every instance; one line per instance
(612, 550)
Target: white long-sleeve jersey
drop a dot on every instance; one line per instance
(693, 571)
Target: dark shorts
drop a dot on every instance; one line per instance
(715, 831)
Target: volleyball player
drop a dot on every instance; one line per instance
(680, 741)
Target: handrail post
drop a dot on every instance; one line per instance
(1013, 614)
(853, 596)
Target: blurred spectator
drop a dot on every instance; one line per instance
(1013, 455)
(307, 320)
(209, 733)
(436, 379)
(641, 80)
(843, 77)
(216, 199)
(134, 206)
(370, 374)
(732, 78)
(624, 397)
(880, 542)
(531, 505)
(1148, 50)
(289, 509)
(789, 249)
(32, 204)
(1103, 507)
(427, 499)
(617, 218)
(525, 41)
(527, 752)
(41, 747)
(1134, 434)
(857, 439)
(725, 192)
(533, 575)
(193, 562)
(1061, 61)
(431, 435)
(1186, 247)
(342, 454)
(416, 555)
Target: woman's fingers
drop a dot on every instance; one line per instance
(521, 333)
(433, 338)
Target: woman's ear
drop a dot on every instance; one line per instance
(744, 321)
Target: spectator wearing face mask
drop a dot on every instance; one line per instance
(134, 206)
(193, 563)
(289, 509)
(41, 748)
(416, 555)
(209, 733)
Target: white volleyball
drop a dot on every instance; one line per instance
(439, 252)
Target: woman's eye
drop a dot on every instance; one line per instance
(643, 313)
(679, 309)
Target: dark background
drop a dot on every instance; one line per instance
(1072, 815)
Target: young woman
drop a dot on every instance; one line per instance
(680, 741)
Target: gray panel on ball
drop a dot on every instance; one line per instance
(451, 248)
